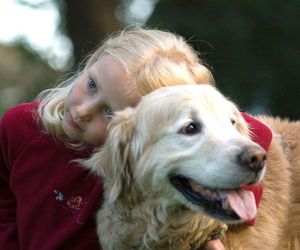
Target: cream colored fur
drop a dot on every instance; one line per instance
(146, 145)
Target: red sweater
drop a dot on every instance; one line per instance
(46, 202)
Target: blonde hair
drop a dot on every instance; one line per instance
(151, 58)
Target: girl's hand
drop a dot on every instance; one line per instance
(214, 245)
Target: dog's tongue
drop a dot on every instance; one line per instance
(243, 204)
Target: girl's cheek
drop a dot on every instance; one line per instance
(98, 141)
(99, 133)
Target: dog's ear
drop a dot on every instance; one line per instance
(112, 161)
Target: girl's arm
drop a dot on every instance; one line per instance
(214, 245)
(8, 224)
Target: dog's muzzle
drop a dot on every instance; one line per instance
(225, 205)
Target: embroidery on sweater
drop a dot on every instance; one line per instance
(70, 202)
(59, 196)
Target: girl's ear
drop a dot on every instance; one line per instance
(112, 161)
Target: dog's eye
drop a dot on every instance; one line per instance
(233, 121)
(191, 129)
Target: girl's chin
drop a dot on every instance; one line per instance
(77, 135)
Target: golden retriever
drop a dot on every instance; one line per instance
(173, 168)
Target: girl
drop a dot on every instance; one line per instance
(46, 200)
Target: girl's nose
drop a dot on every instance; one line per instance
(84, 112)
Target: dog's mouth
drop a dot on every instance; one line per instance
(226, 205)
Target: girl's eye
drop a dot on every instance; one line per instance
(92, 85)
(191, 129)
(108, 112)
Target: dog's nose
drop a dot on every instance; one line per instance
(253, 157)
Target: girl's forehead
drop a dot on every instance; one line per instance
(108, 64)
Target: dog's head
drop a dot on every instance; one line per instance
(183, 145)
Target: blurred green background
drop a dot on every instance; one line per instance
(252, 46)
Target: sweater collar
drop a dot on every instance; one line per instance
(260, 133)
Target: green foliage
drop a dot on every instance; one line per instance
(252, 46)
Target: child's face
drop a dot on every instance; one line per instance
(97, 93)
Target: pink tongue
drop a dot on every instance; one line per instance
(243, 204)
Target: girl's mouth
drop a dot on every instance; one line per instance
(72, 123)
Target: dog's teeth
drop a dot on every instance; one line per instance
(225, 205)
(196, 187)
(214, 194)
(223, 194)
(207, 192)
(210, 194)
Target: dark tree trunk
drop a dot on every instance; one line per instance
(88, 22)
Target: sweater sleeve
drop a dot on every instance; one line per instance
(8, 225)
